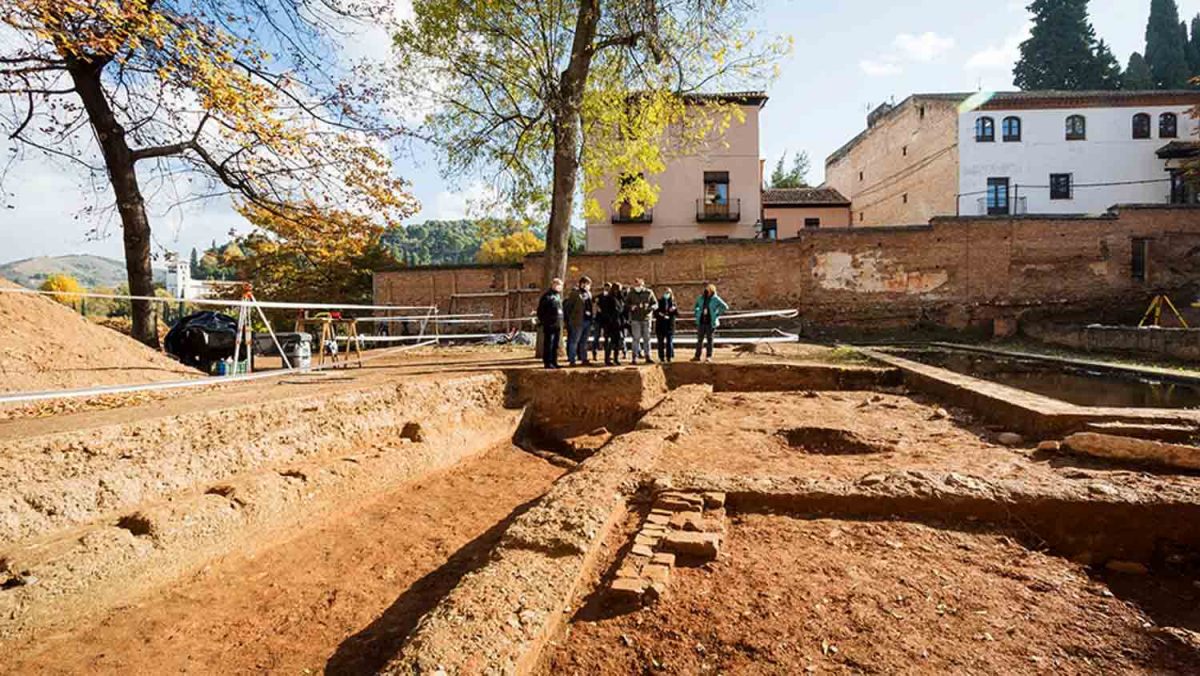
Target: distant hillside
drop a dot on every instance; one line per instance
(91, 271)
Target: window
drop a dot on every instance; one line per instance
(860, 176)
(921, 110)
(632, 243)
(1141, 251)
(770, 228)
(1060, 186)
(812, 222)
(1182, 191)
(716, 188)
(904, 197)
(904, 151)
(1011, 128)
(1076, 128)
(997, 196)
(1141, 125)
(1168, 125)
(860, 216)
(985, 129)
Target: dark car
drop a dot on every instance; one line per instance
(202, 339)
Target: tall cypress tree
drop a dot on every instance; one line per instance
(1062, 51)
(1166, 51)
(1193, 48)
(1137, 74)
(1107, 73)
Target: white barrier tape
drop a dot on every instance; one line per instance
(688, 338)
(481, 317)
(24, 397)
(223, 303)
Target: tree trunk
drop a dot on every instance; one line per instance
(565, 119)
(119, 159)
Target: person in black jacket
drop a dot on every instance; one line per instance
(625, 330)
(664, 326)
(550, 318)
(611, 308)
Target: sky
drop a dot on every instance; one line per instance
(849, 56)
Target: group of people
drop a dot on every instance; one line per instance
(616, 313)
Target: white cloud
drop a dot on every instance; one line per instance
(1001, 56)
(924, 47)
(880, 68)
(473, 201)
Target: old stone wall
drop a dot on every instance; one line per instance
(954, 272)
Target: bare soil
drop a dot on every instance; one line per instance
(45, 345)
(338, 597)
(793, 596)
(850, 434)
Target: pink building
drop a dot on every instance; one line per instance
(715, 194)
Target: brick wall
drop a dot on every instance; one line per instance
(955, 272)
(903, 170)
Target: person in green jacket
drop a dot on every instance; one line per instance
(709, 308)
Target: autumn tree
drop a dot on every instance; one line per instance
(64, 288)
(305, 251)
(511, 248)
(513, 85)
(246, 96)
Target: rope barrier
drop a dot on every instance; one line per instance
(24, 397)
(221, 303)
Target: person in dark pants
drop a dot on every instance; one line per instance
(664, 326)
(611, 308)
(625, 318)
(579, 309)
(597, 326)
(709, 308)
(550, 318)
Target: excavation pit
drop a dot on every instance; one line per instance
(328, 538)
(830, 441)
(798, 595)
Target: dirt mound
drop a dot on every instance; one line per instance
(45, 345)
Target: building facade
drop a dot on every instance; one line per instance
(1065, 153)
(714, 194)
(903, 168)
(1015, 153)
(788, 212)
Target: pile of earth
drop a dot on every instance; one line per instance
(45, 345)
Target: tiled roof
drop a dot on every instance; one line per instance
(799, 197)
(752, 98)
(1178, 149)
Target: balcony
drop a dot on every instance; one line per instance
(719, 213)
(624, 216)
(1016, 206)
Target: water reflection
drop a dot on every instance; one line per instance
(1081, 386)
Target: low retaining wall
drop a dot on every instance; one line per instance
(1173, 343)
(498, 618)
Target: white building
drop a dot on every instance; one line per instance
(1073, 152)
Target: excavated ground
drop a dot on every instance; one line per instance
(792, 596)
(327, 515)
(339, 596)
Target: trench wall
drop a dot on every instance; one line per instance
(1174, 343)
(956, 272)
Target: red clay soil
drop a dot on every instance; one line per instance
(339, 597)
(851, 434)
(794, 596)
(45, 345)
